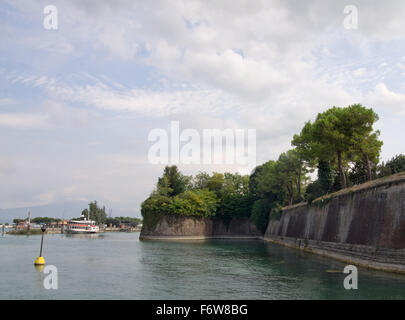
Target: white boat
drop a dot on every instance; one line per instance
(82, 226)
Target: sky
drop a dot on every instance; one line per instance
(77, 103)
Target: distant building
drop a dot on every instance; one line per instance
(21, 225)
(58, 224)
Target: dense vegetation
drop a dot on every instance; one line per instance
(201, 196)
(38, 220)
(95, 213)
(340, 144)
(45, 220)
(395, 165)
(118, 221)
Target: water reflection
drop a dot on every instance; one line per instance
(84, 236)
(39, 268)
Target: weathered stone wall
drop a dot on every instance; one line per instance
(178, 227)
(238, 227)
(363, 225)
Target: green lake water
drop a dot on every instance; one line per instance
(119, 266)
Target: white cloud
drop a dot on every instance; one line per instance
(102, 95)
(382, 97)
(22, 120)
(49, 115)
(7, 101)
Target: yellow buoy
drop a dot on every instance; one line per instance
(39, 261)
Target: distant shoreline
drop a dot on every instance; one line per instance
(36, 231)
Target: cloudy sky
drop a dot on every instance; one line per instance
(77, 103)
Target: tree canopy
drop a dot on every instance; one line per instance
(341, 135)
(95, 213)
(172, 182)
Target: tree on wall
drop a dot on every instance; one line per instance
(268, 184)
(216, 182)
(200, 181)
(395, 165)
(323, 184)
(172, 182)
(292, 170)
(254, 180)
(325, 176)
(366, 146)
(341, 135)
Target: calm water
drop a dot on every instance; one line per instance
(119, 266)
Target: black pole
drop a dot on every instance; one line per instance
(42, 241)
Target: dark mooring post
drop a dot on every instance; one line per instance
(40, 260)
(42, 239)
(29, 223)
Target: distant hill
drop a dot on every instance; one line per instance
(66, 209)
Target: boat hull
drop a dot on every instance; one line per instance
(81, 231)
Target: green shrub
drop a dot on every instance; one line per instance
(260, 214)
(276, 212)
(322, 202)
(192, 203)
(313, 191)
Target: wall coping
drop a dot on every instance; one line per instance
(395, 178)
